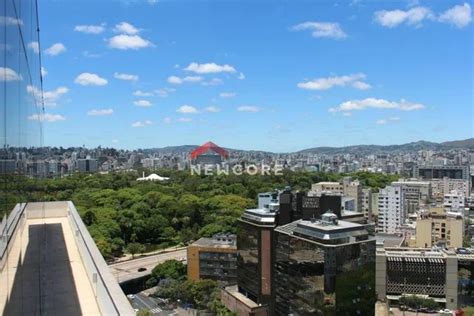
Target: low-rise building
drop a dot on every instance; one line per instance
(435, 227)
(213, 258)
(442, 275)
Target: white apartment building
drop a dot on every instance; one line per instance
(346, 187)
(440, 187)
(391, 208)
(454, 201)
(415, 193)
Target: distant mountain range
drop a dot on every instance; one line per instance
(356, 149)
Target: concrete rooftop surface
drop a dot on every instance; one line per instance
(50, 265)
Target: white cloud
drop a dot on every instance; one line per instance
(142, 123)
(88, 54)
(354, 80)
(100, 112)
(90, 29)
(50, 97)
(247, 108)
(167, 120)
(152, 2)
(227, 94)
(185, 119)
(213, 82)
(175, 80)
(46, 117)
(385, 121)
(241, 76)
(8, 74)
(164, 92)
(459, 15)
(178, 80)
(209, 68)
(187, 109)
(212, 109)
(413, 16)
(10, 21)
(356, 105)
(322, 29)
(34, 46)
(139, 93)
(55, 49)
(126, 77)
(90, 79)
(125, 42)
(143, 103)
(126, 28)
(44, 72)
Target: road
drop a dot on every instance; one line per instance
(128, 270)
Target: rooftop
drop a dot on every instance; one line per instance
(52, 266)
(217, 241)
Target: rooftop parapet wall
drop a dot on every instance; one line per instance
(109, 297)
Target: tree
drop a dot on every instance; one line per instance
(170, 269)
(134, 248)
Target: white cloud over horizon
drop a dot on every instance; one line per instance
(90, 79)
(50, 98)
(126, 28)
(180, 80)
(357, 105)
(126, 77)
(321, 29)
(46, 117)
(458, 15)
(125, 42)
(90, 29)
(100, 112)
(143, 103)
(209, 68)
(34, 46)
(138, 124)
(248, 108)
(8, 74)
(187, 109)
(55, 49)
(354, 80)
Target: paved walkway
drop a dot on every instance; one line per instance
(45, 274)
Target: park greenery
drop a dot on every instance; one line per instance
(171, 282)
(125, 215)
(417, 302)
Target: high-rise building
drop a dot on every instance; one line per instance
(391, 209)
(324, 267)
(87, 165)
(439, 172)
(255, 242)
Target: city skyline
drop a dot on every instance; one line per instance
(130, 74)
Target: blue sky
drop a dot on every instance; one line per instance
(269, 75)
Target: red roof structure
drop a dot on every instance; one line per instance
(209, 146)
